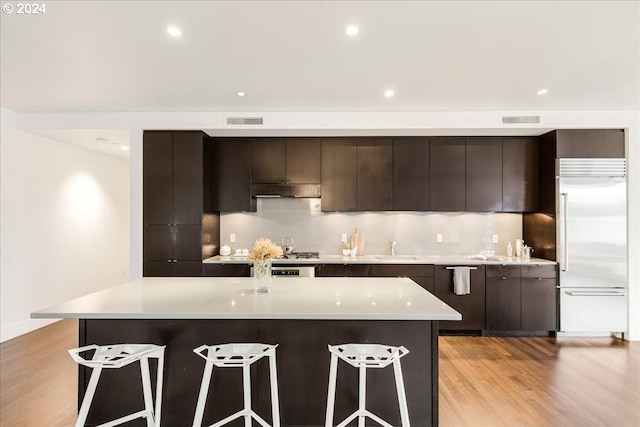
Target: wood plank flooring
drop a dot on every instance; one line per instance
(483, 381)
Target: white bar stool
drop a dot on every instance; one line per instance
(117, 356)
(363, 356)
(239, 355)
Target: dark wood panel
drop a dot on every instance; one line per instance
(233, 166)
(520, 174)
(483, 187)
(401, 270)
(472, 306)
(157, 243)
(187, 269)
(504, 304)
(536, 271)
(586, 143)
(343, 270)
(539, 231)
(268, 161)
(158, 268)
(187, 242)
(225, 270)
(508, 271)
(411, 174)
(187, 177)
(447, 174)
(304, 160)
(339, 175)
(374, 175)
(427, 283)
(157, 182)
(539, 304)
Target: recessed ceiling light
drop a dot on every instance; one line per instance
(542, 91)
(124, 148)
(389, 93)
(240, 93)
(174, 31)
(352, 30)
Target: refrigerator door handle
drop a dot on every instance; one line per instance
(595, 293)
(564, 220)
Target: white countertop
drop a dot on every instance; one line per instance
(384, 259)
(233, 298)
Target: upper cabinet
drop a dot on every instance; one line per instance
(520, 174)
(447, 160)
(285, 161)
(411, 174)
(590, 143)
(483, 175)
(374, 186)
(232, 175)
(339, 174)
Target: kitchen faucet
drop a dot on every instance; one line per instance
(392, 248)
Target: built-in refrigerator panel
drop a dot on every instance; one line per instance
(592, 245)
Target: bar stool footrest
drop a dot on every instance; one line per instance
(140, 414)
(364, 413)
(242, 413)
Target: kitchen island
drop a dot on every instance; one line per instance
(302, 315)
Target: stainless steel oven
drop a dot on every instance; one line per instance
(291, 271)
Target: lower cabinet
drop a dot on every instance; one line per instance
(343, 270)
(420, 273)
(226, 270)
(471, 306)
(172, 268)
(521, 298)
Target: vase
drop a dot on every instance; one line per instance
(262, 275)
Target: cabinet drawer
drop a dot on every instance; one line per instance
(225, 270)
(504, 271)
(539, 271)
(343, 270)
(401, 270)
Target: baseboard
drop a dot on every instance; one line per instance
(21, 328)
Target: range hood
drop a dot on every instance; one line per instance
(286, 190)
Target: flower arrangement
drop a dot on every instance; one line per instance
(265, 249)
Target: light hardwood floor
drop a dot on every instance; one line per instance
(483, 381)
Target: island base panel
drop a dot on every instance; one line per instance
(303, 369)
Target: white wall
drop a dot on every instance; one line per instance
(64, 229)
(360, 123)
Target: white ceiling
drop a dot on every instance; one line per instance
(107, 56)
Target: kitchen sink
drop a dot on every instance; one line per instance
(486, 257)
(397, 258)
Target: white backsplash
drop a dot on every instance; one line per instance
(414, 232)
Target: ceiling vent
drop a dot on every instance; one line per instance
(240, 121)
(520, 120)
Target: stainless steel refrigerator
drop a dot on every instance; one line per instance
(592, 245)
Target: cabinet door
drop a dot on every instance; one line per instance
(411, 174)
(157, 169)
(483, 188)
(187, 177)
(225, 270)
(585, 143)
(447, 174)
(471, 306)
(427, 283)
(342, 270)
(158, 268)
(233, 167)
(339, 175)
(157, 243)
(520, 174)
(504, 296)
(187, 269)
(374, 175)
(304, 160)
(539, 304)
(268, 161)
(187, 242)
(401, 270)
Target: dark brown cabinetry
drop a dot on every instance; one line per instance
(483, 189)
(420, 273)
(521, 298)
(176, 188)
(232, 175)
(226, 270)
(411, 174)
(286, 160)
(339, 175)
(520, 174)
(374, 178)
(447, 159)
(590, 143)
(342, 270)
(471, 306)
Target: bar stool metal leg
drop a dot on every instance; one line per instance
(202, 396)
(402, 398)
(88, 397)
(331, 394)
(275, 403)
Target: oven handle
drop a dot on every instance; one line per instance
(595, 293)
